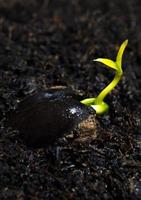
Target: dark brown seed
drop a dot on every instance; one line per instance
(44, 117)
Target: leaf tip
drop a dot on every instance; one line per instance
(96, 60)
(126, 41)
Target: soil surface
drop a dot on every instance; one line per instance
(50, 43)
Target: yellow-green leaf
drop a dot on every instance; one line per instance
(120, 54)
(107, 62)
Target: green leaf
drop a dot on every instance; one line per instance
(120, 54)
(107, 62)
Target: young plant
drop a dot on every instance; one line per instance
(97, 103)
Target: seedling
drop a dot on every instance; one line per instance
(98, 103)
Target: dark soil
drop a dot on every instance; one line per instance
(50, 43)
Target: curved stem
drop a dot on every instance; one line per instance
(108, 89)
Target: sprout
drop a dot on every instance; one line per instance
(97, 103)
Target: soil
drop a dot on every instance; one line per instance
(49, 43)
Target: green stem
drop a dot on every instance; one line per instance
(99, 99)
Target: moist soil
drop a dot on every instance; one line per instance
(45, 44)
